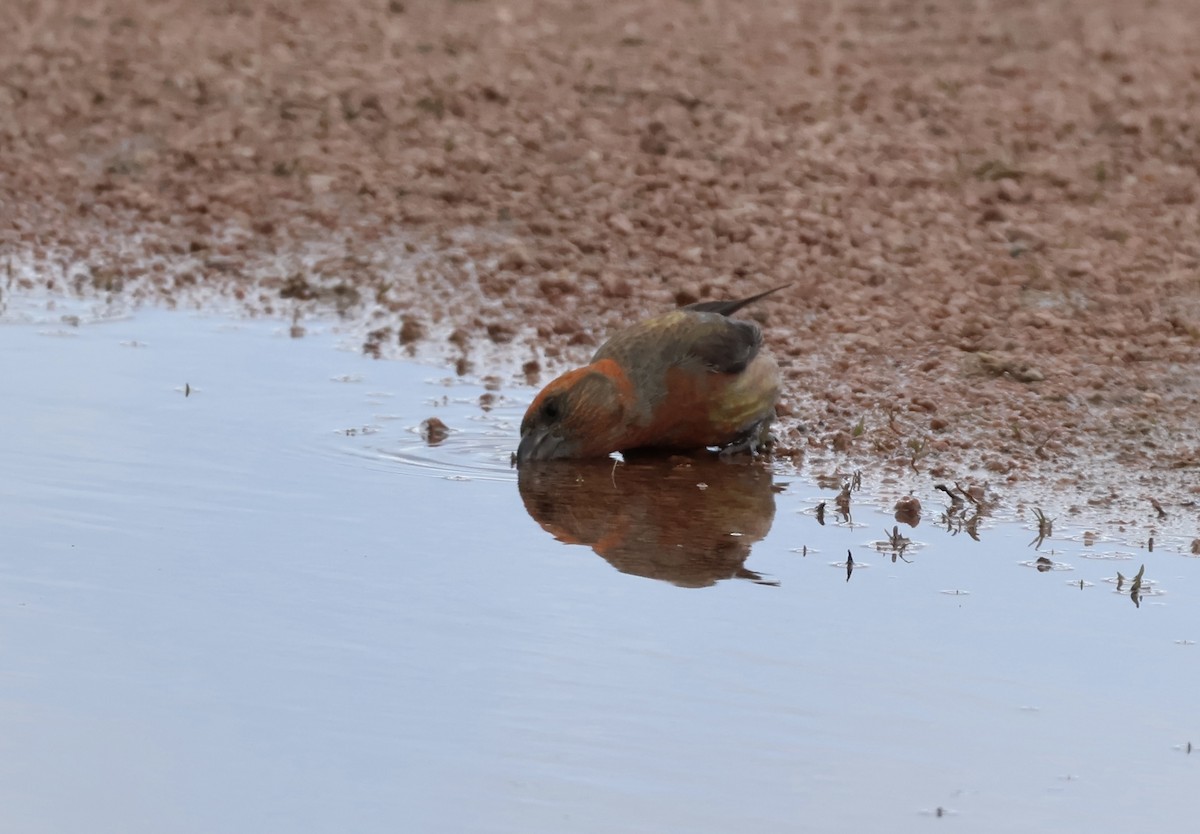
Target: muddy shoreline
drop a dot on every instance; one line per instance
(988, 211)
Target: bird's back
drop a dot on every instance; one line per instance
(684, 337)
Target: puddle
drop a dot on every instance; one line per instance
(239, 591)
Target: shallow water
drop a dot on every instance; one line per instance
(239, 592)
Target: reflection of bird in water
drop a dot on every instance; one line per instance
(688, 521)
(686, 379)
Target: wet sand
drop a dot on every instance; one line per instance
(988, 210)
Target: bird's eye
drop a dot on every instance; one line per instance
(551, 409)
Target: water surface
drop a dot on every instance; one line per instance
(239, 592)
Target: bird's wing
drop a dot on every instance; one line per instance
(723, 345)
(685, 338)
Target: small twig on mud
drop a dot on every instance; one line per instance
(955, 500)
(1040, 449)
(843, 500)
(966, 493)
(891, 419)
(918, 448)
(1158, 507)
(1045, 527)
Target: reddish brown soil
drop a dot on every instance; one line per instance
(990, 211)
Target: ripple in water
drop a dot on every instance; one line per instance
(461, 456)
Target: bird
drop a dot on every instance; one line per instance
(687, 379)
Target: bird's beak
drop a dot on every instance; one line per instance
(542, 444)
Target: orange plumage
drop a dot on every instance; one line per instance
(687, 379)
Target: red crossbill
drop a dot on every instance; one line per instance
(690, 378)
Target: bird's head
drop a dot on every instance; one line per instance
(578, 415)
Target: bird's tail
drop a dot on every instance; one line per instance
(730, 306)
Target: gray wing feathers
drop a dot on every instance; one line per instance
(728, 346)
